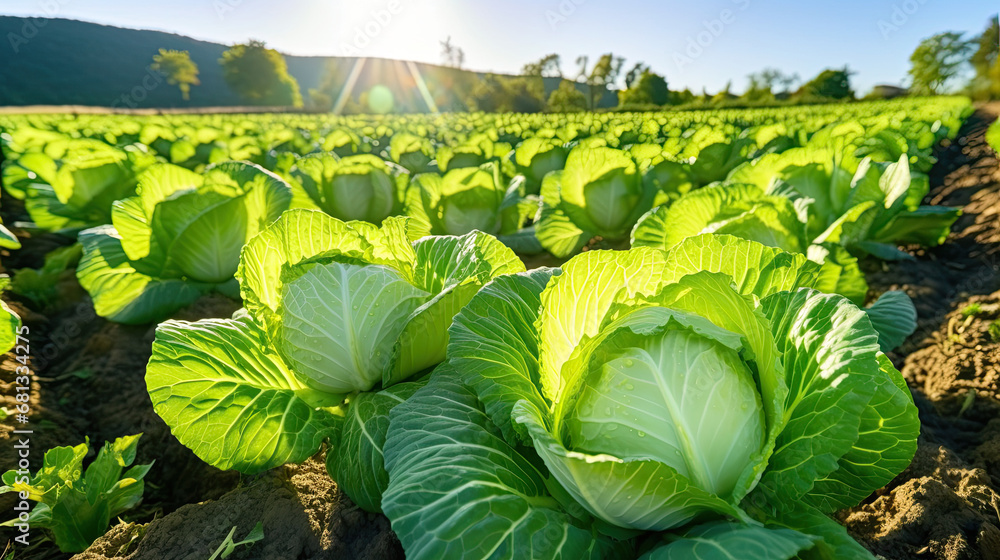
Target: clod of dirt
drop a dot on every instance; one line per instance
(303, 513)
(939, 508)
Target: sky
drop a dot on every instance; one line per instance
(694, 44)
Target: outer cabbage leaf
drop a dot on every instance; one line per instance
(229, 398)
(120, 292)
(834, 373)
(724, 540)
(356, 462)
(458, 490)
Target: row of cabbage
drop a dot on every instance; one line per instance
(158, 231)
(717, 389)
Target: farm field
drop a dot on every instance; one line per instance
(477, 335)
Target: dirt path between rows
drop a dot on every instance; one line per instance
(946, 505)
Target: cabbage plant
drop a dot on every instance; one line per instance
(179, 238)
(342, 321)
(362, 187)
(77, 505)
(475, 198)
(475, 151)
(601, 192)
(750, 213)
(10, 323)
(868, 211)
(72, 183)
(537, 157)
(414, 153)
(666, 404)
(671, 178)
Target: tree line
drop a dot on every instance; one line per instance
(259, 75)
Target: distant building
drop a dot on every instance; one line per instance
(886, 91)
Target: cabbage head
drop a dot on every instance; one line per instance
(342, 322)
(650, 401)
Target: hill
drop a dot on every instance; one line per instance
(68, 62)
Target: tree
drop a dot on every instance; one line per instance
(635, 73)
(648, 89)
(547, 67)
(937, 60)
(260, 75)
(682, 97)
(567, 99)
(830, 83)
(764, 84)
(451, 55)
(604, 73)
(582, 61)
(724, 95)
(179, 69)
(502, 94)
(986, 82)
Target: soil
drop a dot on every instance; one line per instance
(299, 506)
(946, 505)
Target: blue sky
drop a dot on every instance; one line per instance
(695, 44)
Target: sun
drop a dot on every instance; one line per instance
(405, 30)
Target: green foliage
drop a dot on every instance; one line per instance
(475, 199)
(867, 211)
(77, 505)
(763, 85)
(986, 82)
(829, 84)
(993, 136)
(260, 75)
(547, 66)
(412, 152)
(600, 192)
(505, 94)
(342, 321)
(567, 99)
(180, 237)
(686, 400)
(41, 286)
(936, 60)
(178, 68)
(229, 546)
(10, 323)
(69, 184)
(648, 89)
(994, 330)
(604, 74)
(362, 187)
(971, 310)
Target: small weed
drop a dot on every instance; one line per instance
(972, 310)
(994, 330)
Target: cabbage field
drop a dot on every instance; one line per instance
(758, 334)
